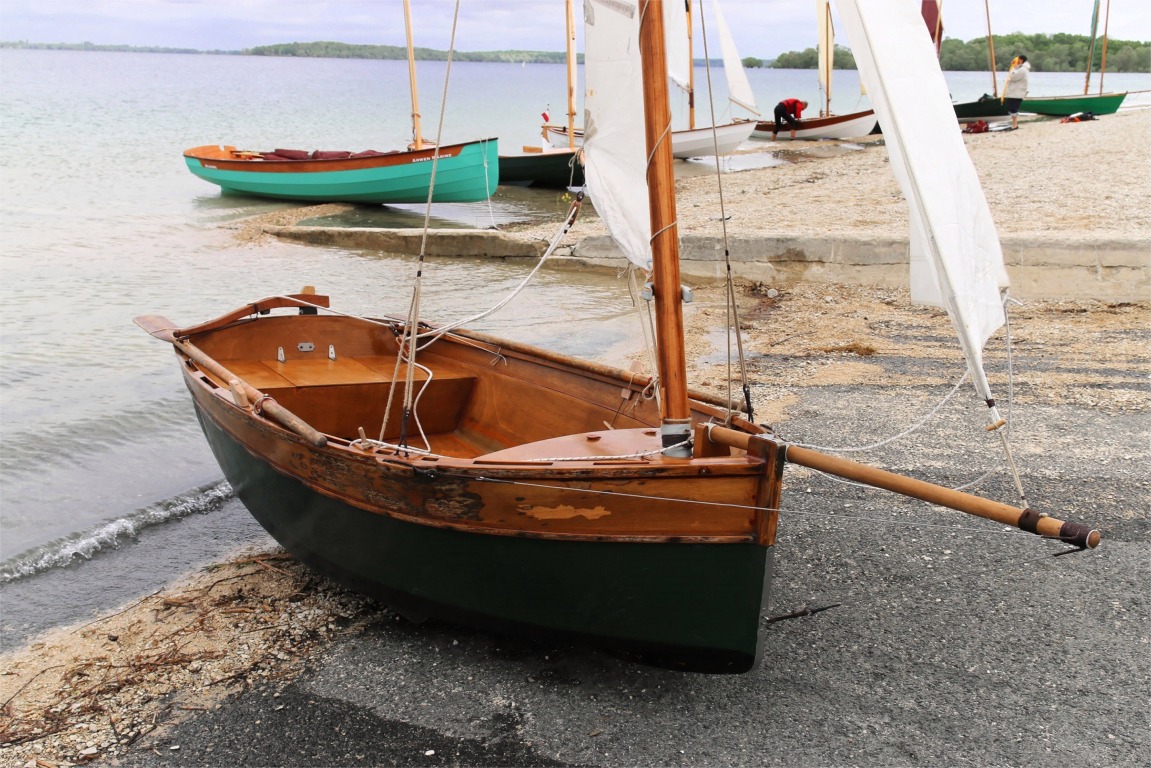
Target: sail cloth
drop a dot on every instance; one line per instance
(826, 49)
(738, 88)
(677, 44)
(615, 145)
(956, 259)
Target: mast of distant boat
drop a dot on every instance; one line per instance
(417, 136)
(571, 61)
(991, 50)
(826, 51)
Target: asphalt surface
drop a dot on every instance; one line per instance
(956, 641)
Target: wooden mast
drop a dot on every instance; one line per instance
(1103, 63)
(826, 44)
(665, 234)
(1091, 48)
(417, 136)
(991, 50)
(690, 70)
(571, 33)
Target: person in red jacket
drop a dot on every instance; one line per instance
(790, 110)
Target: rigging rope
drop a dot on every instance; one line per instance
(732, 308)
(409, 338)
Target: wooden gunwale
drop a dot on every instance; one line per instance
(223, 158)
(249, 430)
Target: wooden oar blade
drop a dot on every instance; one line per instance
(157, 325)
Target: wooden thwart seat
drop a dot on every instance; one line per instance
(339, 396)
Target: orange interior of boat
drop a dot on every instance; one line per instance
(500, 404)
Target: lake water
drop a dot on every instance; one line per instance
(107, 487)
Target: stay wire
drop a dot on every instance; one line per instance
(732, 314)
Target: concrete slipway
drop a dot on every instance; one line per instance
(1039, 268)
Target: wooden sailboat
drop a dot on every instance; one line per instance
(991, 107)
(548, 165)
(720, 139)
(505, 486)
(465, 172)
(826, 125)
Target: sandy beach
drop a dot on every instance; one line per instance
(892, 678)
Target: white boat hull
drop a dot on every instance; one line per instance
(849, 126)
(698, 142)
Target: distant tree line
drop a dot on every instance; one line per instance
(95, 47)
(332, 50)
(1046, 53)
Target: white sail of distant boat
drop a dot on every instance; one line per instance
(956, 258)
(722, 138)
(826, 51)
(738, 87)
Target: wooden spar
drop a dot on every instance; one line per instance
(571, 57)
(690, 68)
(1027, 520)
(991, 49)
(1103, 63)
(1091, 47)
(256, 398)
(417, 136)
(665, 236)
(826, 45)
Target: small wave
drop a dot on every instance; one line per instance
(87, 544)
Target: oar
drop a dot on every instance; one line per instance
(1029, 520)
(244, 393)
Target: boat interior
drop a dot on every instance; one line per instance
(472, 398)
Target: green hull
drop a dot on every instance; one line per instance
(1061, 106)
(553, 170)
(988, 108)
(470, 176)
(683, 605)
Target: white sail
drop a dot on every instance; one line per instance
(956, 259)
(738, 88)
(615, 147)
(677, 43)
(826, 50)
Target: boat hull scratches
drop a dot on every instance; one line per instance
(682, 605)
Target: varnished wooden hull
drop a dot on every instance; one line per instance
(850, 126)
(666, 559)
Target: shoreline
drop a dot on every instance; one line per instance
(1071, 202)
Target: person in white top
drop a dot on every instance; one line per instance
(1015, 89)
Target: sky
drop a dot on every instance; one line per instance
(762, 28)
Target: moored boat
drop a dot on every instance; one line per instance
(464, 173)
(1062, 106)
(849, 126)
(549, 168)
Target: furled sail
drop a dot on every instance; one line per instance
(956, 259)
(738, 88)
(615, 147)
